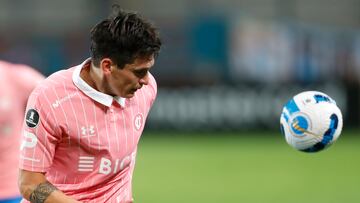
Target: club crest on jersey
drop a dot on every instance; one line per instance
(32, 118)
(138, 121)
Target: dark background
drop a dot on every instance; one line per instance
(229, 64)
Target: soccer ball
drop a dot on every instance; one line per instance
(311, 121)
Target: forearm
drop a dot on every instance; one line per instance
(47, 193)
(35, 188)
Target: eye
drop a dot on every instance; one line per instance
(141, 73)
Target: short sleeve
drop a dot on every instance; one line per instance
(40, 137)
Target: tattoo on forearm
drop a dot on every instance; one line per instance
(41, 192)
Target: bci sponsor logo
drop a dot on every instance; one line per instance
(107, 166)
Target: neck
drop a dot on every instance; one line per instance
(90, 76)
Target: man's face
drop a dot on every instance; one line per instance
(126, 81)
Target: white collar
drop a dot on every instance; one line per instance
(100, 97)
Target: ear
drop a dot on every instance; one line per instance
(106, 65)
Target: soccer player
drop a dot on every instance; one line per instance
(16, 83)
(83, 124)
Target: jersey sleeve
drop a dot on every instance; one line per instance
(40, 135)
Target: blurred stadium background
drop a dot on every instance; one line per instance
(226, 69)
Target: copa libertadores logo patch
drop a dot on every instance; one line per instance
(32, 118)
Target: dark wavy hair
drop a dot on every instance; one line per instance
(124, 37)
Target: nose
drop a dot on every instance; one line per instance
(144, 80)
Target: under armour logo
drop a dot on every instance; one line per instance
(88, 131)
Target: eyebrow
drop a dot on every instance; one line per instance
(142, 68)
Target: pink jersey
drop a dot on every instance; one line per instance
(84, 140)
(16, 83)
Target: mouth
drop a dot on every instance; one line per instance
(133, 90)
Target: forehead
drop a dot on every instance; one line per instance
(142, 63)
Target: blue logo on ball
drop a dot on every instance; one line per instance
(299, 125)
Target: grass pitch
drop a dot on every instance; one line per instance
(250, 167)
